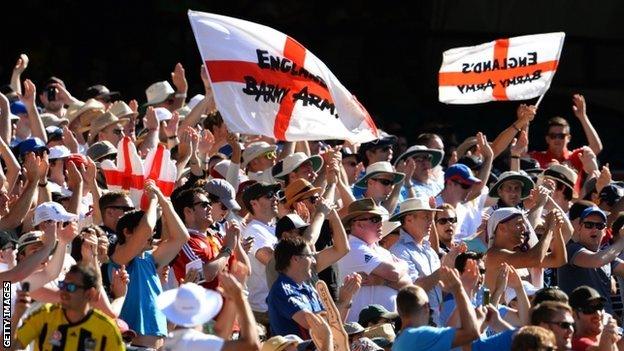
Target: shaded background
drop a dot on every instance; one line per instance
(387, 54)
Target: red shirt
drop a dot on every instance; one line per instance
(581, 344)
(200, 246)
(570, 158)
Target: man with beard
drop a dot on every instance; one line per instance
(291, 297)
(591, 332)
(509, 242)
(261, 202)
(589, 264)
(204, 244)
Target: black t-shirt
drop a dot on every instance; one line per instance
(328, 275)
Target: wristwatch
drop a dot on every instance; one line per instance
(226, 250)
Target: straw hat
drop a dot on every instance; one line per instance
(254, 150)
(291, 162)
(563, 174)
(362, 207)
(101, 149)
(411, 205)
(76, 110)
(158, 93)
(121, 109)
(436, 155)
(299, 189)
(381, 167)
(103, 121)
(50, 119)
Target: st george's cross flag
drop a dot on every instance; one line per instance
(516, 68)
(160, 168)
(265, 82)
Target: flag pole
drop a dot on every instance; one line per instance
(539, 100)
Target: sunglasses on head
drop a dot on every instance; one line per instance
(375, 219)
(69, 287)
(446, 220)
(591, 309)
(462, 185)
(382, 181)
(592, 225)
(557, 135)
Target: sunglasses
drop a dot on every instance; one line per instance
(271, 195)
(384, 149)
(69, 287)
(592, 225)
(118, 131)
(313, 199)
(564, 325)
(591, 309)
(462, 185)
(123, 208)
(270, 155)
(203, 204)
(384, 182)
(350, 163)
(422, 158)
(375, 219)
(446, 220)
(557, 135)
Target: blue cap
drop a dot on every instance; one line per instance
(18, 107)
(461, 173)
(31, 145)
(593, 210)
(611, 194)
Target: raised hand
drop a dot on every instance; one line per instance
(519, 145)
(67, 233)
(206, 81)
(119, 283)
(69, 140)
(74, 179)
(178, 77)
(171, 126)
(30, 92)
(21, 64)
(484, 146)
(578, 106)
(525, 114)
(151, 121)
(449, 279)
(206, 142)
(350, 287)
(319, 331)
(134, 105)
(604, 178)
(230, 288)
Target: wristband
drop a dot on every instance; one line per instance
(516, 128)
(43, 185)
(515, 156)
(180, 95)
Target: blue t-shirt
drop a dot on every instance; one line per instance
(424, 338)
(286, 298)
(139, 309)
(498, 342)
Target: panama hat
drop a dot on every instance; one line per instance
(291, 162)
(103, 121)
(101, 149)
(50, 119)
(121, 109)
(381, 167)
(436, 155)
(299, 189)
(254, 150)
(563, 174)
(362, 207)
(158, 92)
(76, 110)
(189, 305)
(527, 183)
(413, 204)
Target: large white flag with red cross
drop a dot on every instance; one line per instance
(265, 82)
(517, 68)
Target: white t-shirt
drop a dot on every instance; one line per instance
(469, 215)
(192, 340)
(264, 236)
(365, 258)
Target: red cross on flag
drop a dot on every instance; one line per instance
(264, 82)
(516, 68)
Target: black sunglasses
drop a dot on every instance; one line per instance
(592, 225)
(446, 220)
(557, 135)
(203, 204)
(564, 325)
(313, 199)
(375, 219)
(382, 181)
(123, 208)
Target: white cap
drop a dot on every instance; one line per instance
(499, 216)
(59, 151)
(52, 211)
(162, 114)
(194, 101)
(529, 288)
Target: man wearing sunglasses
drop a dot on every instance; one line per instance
(384, 274)
(73, 324)
(594, 329)
(557, 317)
(382, 184)
(258, 159)
(112, 206)
(588, 262)
(558, 137)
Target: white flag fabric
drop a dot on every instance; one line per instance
(127, 172)
(264, 82)
(516, 68)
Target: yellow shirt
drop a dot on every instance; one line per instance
(51, 331)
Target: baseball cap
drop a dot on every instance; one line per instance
(582, 297)
(53, 80)
(373, 312)
(100, 91)
(593, 210)
(289, 222)
(31, 145)
(224, 191)
(461, 173)
(18, 107)
(28, 238)
(611, 194)
(52, 211)
(59, 151)
(500, 216)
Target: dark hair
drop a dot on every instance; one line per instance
(426, 138)
(213, 119)
(547, 310)
(407, 300)
(110, 198)
(532, 337)
(89, 275)
(557, 122)
(567, 191)
(130, 220)
(285, 250)
(185, 199)
(617, 224)
(577, 208)
(462, 258)
(551, 293)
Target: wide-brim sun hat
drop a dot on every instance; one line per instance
(381, 167)
(189, 305)
(527, 183)
(299, 189)
(436, 155)
(361, 207)
(254, 150)
(412, 205)
(293, 161)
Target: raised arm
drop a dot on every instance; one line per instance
(20, 67)
(178, 234)
(30, 263)
(469, 329)
(75, 184)
(135, 243)
(580, 111)
(5, 121)
(13, 167)
(332, 254)
(590, 259)
(248, 339)
(558, 255)
(524, 115)
(36, 125)
(153, 127)
(484, 173)
(178, 77)
(18, 211)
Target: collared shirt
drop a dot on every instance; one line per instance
(264, 236)
(422, 261)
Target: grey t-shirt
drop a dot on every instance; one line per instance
(571, 277)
